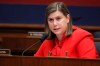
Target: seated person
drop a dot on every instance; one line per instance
(64, 38)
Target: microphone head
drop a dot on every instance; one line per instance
(45, 35)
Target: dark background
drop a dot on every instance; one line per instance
(85, 12)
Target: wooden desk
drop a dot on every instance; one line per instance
(46, 61)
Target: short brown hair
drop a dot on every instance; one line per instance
(57, 6)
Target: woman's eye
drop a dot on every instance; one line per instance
(50, 20)
(58, 18)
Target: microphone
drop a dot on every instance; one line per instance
(45, 35)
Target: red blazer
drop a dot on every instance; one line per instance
(79, 45)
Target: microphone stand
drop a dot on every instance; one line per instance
(30, 47)
(41, 40)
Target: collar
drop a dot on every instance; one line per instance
(63, 38)
(61, 42)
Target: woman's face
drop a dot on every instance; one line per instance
(58, 22)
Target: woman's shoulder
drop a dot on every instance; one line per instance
(80, 32)
(48, 42)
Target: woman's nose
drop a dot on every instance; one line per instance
(55, 22)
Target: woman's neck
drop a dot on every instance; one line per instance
(59, 37)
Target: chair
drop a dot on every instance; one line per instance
(97, 34)
(97, 44)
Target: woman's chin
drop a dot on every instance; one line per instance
(57, 33)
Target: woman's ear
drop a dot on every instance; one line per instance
(68, 18)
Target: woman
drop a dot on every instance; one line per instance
(65, 39)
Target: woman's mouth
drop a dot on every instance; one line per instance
(56, 29)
